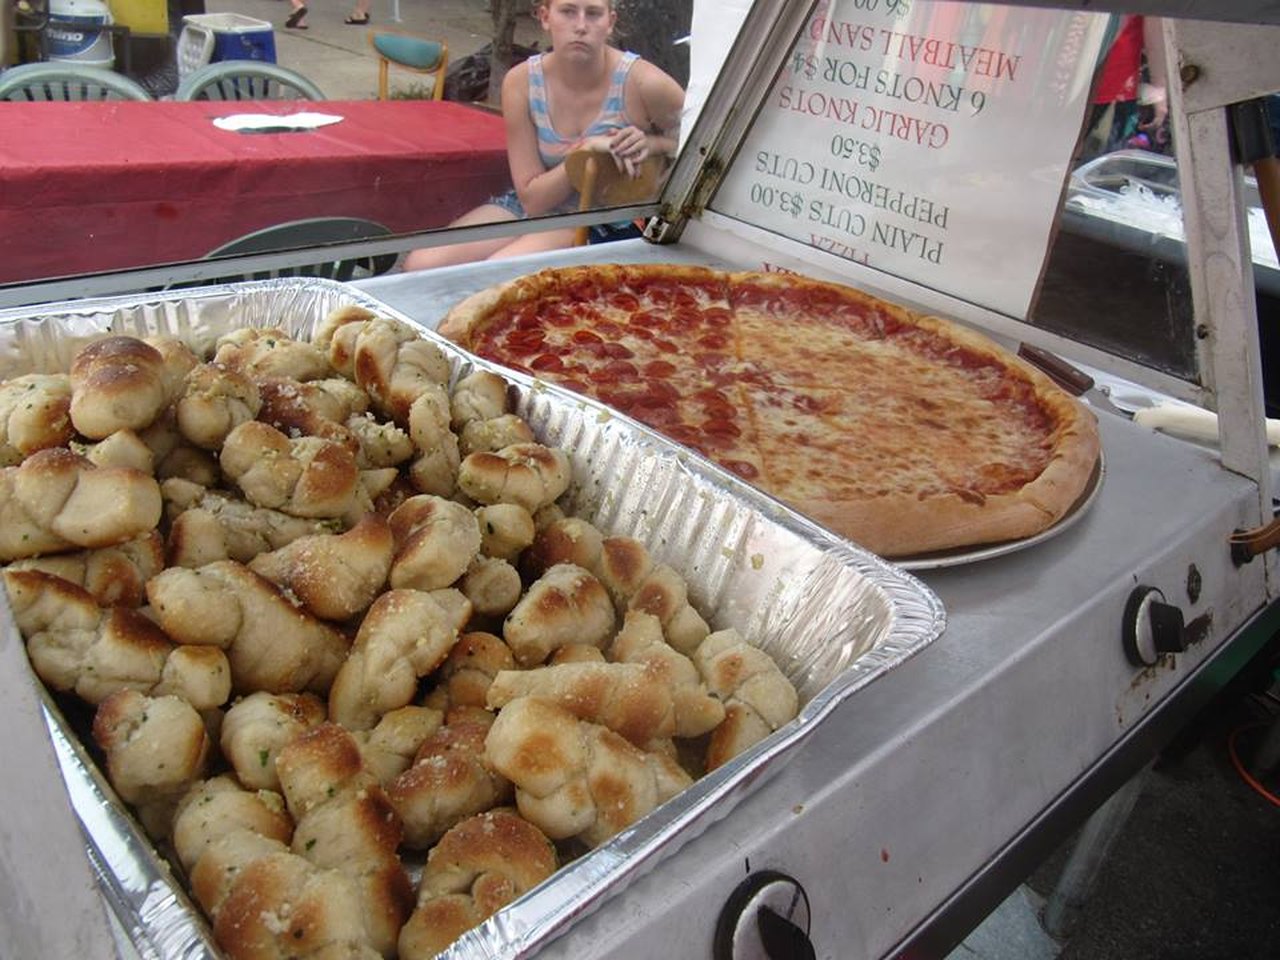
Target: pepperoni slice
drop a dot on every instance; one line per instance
(526, 336)
(722, 427)
(659, 292)
(518, 350)
(659, 368)
(560, 318)
(617, 351)
(525, 346)
(586, 336)
(653, 400)
(546, 361)
(654, 417)
(754, 297)
(648, 319)
(616, 396)
(527, 319)
(583, 288)
(720, 411)
(666, 346)
(592, 348)
(624, 301)
(742, 468)
(714, 341)
(710, 395)
(618, 370)
(717, 316)
(609, 329)
(666, 391)
(686, 318)
(683, 433)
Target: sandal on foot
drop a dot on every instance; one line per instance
(357, 21)
(295, 18)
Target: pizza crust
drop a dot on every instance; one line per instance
(468, 318)
(903, 525)
(900, 523)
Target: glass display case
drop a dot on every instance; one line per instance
(926, 152)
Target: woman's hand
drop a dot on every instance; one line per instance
(627, 145)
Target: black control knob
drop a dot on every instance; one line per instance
(766, 918)
(1152, 626)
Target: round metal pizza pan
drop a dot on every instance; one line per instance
(963, 555)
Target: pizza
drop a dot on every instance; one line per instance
(904, 432)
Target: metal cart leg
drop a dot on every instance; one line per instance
(1062, 911)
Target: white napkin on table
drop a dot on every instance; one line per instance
(267, 121)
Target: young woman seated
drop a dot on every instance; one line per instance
(583, 93)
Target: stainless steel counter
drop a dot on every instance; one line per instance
(918, 786)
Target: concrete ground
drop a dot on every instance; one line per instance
(338, 58)
(1193, 875)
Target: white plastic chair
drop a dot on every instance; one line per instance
(30, 82)
(247, 80)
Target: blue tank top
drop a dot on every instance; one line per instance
(612, 116)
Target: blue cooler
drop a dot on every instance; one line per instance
(214, 37)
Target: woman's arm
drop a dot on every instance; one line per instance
(655, 102)
(539, 189)
(663, 102)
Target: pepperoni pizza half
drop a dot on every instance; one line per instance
(904, 432)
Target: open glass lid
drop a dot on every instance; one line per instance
(925, 140)
(1014, 167)
(1028, 171)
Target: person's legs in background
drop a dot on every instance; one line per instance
(299, 14)
(535, 243)
(360, 15)
(428, 257)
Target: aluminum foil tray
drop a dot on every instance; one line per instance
(833, 616)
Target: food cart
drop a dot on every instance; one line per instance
(916, 805)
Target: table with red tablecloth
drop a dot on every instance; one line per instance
(88, 187)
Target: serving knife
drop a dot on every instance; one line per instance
(1069, 377)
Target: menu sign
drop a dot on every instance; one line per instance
(929, 140)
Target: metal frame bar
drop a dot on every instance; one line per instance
(1219, 261)
(1237, 11)
(736, 97)
(132, 281)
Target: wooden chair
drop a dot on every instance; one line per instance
(247, 80)
(67, 81)
(409, 52)
(600, 183)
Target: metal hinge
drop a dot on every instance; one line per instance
(656, 229)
